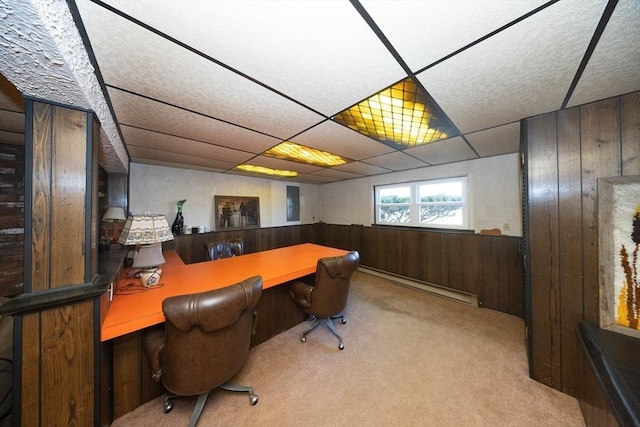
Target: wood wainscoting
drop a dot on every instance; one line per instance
(488, 266)
(191, 247)
(565, 154)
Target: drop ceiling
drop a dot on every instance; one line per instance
(209, 85)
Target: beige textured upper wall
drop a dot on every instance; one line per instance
(159, 188)
(494, 191)
(493, 188)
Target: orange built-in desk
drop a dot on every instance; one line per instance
(129, 314)
(132, 312)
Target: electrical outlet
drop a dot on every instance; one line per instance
(506, 226)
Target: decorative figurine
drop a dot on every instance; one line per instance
(178, 224)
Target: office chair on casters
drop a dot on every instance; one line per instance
(224, 249)
(327, 298)
(204, 342)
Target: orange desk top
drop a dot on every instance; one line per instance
(132, 312)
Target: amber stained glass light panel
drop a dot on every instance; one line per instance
(299, 153)
(401, 116)
(266, 171)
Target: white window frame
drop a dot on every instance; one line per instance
(414, 204)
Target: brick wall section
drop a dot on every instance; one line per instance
(12, 169)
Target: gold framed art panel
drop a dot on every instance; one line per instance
(236, 212)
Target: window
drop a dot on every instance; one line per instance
(436, 203)
(393, 204)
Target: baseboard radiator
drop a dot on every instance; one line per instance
(430, 288)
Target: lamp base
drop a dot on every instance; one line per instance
(150, 277)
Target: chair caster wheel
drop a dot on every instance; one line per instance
(254, 399)
(168, 406)
(341, 346)
(344, 320)
(303, 339)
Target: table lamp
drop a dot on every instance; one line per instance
(114, 213)
(111, 227)
(147, 232)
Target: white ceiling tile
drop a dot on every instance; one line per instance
(184, 159)
(172, 144)
(614, 67)
(144, 113)
(397, 161)
(425, 31)
(336, 174)
(246, 70)
(170, 164)
(520, 72)
(447, 151)
(307, 50)
(495, 141)
(315, 179)
(129, 59)
(337, 139)
(362, 168)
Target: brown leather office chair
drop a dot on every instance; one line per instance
(327, 298)
(204, 342)
(224, 249)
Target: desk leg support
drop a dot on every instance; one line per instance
(127, 353)
(276, 313)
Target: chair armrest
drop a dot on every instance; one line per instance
(301, 294)
(153, 344)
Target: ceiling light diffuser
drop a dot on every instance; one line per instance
(401, 115)
(299, 153)
(266, 171)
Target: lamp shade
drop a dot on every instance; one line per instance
(149, 256)
(114, 213)
(145, 229)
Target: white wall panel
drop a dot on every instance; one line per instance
(158, 189)
(493, 186)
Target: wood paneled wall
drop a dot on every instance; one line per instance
(57, 384)
(191, 248)
(487, 266)
(565, 153)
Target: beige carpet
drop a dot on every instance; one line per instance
(410, 359)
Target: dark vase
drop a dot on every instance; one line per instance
(178, 224)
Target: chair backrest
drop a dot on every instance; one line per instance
(224, 249)
(207, 336)
(331, 289)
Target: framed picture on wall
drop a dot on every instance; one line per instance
(236, 212)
